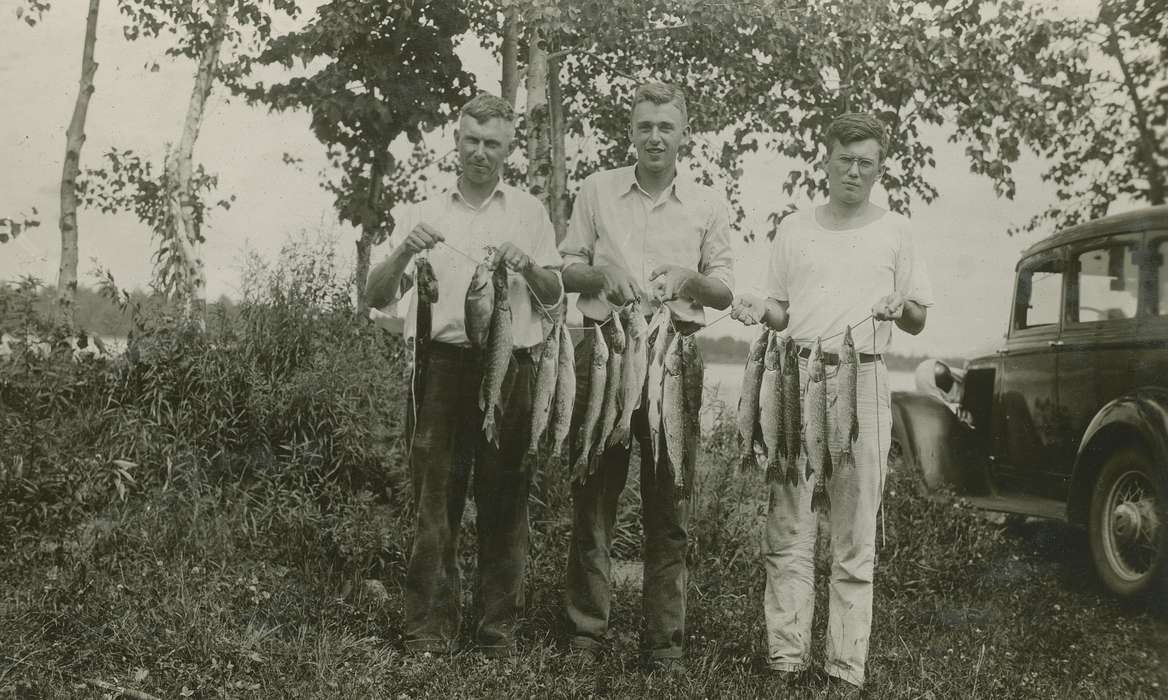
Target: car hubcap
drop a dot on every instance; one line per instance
(1131, 526)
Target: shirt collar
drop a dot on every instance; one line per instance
(500, 192)
(678, 189)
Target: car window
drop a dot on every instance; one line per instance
(1158, 276)
(1107, 282)
(1039, 293)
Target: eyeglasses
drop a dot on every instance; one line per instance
(867, 167)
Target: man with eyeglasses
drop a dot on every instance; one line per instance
(828, 265)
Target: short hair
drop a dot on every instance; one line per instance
(660, 93)
(856, 126)
(485, 107)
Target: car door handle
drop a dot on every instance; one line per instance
(1003, 351)
(1055, 343)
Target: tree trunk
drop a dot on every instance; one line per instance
(370, 229)
(1147, 149)
(187, 236)
(509, 85)
(538, 161)
(74, 140)
(558, 184)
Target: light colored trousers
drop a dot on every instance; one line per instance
(789, 541)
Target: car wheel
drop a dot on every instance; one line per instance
(1126, 526)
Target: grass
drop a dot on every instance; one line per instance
(230, 591)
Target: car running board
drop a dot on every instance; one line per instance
(1026, 505)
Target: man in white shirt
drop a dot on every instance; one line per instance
(448, 439)
(847, 262)
(640, 233)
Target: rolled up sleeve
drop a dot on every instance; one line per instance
(717, 255)
(912, 278)
(580, 243)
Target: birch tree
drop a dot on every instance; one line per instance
(31, 12)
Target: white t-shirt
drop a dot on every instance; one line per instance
(833, 278)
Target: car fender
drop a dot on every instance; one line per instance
(933, 441)
(1139, 416)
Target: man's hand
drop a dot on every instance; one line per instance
(668, 280)
(748, 309)
(422, 237)
(619, 287)
(889, 308)
(514, 258)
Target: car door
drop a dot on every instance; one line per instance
(1026, 391)
(1097, 353)
(1150, 366)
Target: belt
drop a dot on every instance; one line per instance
(468, 351)
(830, 358)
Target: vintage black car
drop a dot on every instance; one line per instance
(1067, 417)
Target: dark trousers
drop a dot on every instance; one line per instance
(447, 444)
(664, 517)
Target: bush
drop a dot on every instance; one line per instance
(292, 390)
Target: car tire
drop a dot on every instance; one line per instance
(1127, 529)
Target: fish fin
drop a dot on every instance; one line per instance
(820, 501)
(792, 475)
(854, 433)
(774, 473)
(827, 465)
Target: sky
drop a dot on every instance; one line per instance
(961, 236)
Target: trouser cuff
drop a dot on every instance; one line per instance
(856, 679)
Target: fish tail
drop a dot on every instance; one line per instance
(792, 475)
(774, 473)
(820, 501)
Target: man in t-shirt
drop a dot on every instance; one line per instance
(640, 234)
(847, 262)
(481, 211)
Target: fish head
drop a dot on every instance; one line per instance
(673, 357)
(771, 359)
(599, 347)
(815, 362)
(482, 278)
(758, 349)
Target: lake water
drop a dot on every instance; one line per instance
(724, 381)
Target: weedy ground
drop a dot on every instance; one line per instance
(203, 517)
(213, 591)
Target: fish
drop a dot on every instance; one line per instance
(545, 387)
(693, 375)
(598, 366)
(770, 406)
(479, 305)
(610, 411)
(749, 427)
(496, 357)
(426, 280)
(792, 412)
(565, 401)
(673, 410)
(815, 430)
(846, 415)
(633, 369)
(658, 342)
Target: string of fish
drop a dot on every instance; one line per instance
(778, 414)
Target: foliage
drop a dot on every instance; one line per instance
(769, 76)
(289, 389)
(248, 29)
(379, 71)
(126, 182)
(1115, 150)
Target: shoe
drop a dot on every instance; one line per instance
(839, 688)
